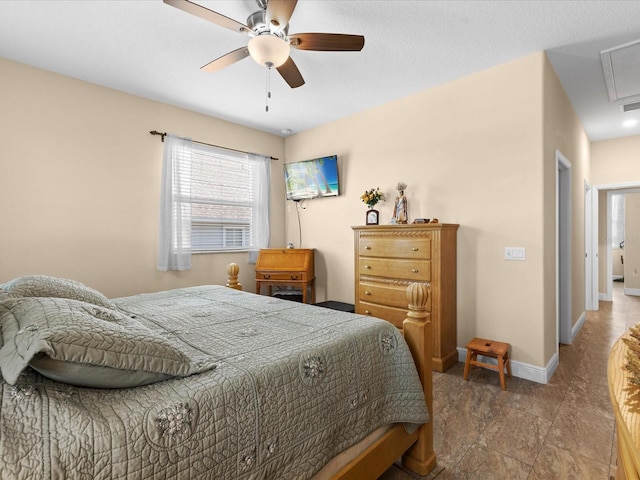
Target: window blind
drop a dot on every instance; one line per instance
(223, 189)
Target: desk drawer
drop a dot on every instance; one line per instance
(391, 295)
(413, 270)
(282, 276)
(394, 247)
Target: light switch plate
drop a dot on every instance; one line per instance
(514, 253)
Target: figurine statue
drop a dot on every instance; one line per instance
(400, 210)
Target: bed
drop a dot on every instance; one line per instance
(207, 382)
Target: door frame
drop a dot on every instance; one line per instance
(590, 250)
(633, 187)
(563, 249)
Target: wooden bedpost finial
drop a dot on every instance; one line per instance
(232, 272)
(417, 296)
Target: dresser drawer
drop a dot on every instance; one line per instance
(391, 295)
(413, 270)
(395, 247)
(282, 276)
(391, 314)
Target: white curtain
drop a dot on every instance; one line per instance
(174, 249)
(260, 220)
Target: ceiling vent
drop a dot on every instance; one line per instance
(621, 67)
(630, 106)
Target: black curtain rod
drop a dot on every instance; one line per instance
(164, 134)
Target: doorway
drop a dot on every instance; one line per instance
(631, 187)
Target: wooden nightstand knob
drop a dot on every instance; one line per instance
(414, 270)
(367, 247)
(367, 267)
(367, 292)
(367, 312)
(415, 249)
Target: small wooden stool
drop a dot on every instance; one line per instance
(488, 348)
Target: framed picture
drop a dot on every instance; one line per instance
(373, 217)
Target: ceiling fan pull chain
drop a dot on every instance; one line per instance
(266, 108)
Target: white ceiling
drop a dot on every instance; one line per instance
(153, 50)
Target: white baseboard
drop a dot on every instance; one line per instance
(576, 328)
(632, 291)
(602, 296)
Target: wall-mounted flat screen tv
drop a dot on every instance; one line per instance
(312, 178)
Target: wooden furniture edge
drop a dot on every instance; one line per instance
(416, 449)
(624, 400)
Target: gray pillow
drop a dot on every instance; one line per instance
(86, 336)
(92, 376)
(45, 286)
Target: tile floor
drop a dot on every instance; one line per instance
(562, 430)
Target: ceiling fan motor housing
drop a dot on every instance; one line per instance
(257, 22)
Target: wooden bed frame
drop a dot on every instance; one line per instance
(415, 449)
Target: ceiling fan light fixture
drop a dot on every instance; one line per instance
(269, 50)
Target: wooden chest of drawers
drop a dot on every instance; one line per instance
(287, 267)
(390, 257)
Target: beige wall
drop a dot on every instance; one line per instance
(471, 152)
(476, 151)
(562, 132)
(615, 161)
(80, 183)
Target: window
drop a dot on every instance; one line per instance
(223, 187)
(212, 200)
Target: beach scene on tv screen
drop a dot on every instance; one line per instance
(312, 178)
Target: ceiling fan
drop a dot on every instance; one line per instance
(270, 42)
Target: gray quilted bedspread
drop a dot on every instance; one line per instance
(293, 386)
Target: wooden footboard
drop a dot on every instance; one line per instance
(416, 449)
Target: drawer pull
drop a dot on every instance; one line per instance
(294, 277)
(367, 247)
(414, 270)
(415, 249)
(367, 292)
(367, 312)
(367, 267)
(266, 277)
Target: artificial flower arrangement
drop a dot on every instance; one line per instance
(372, 196)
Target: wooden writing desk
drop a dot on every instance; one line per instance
(288, 267)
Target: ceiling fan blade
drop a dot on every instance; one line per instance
(279, 12)
(334, 42)
(289, 71)
(210, 15)
(226, 60)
